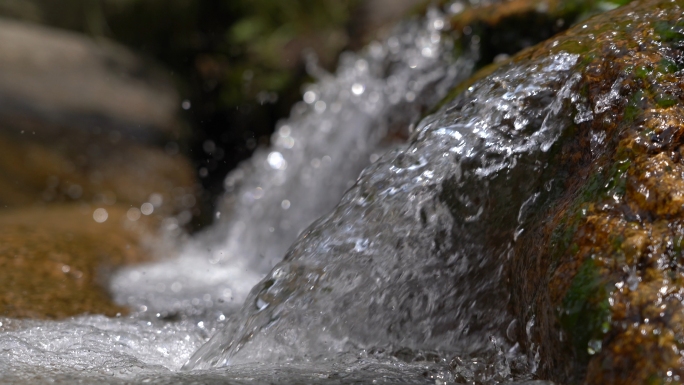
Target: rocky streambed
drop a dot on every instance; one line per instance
(529, 229)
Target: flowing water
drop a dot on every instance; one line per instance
(399, 283)
(344, 123)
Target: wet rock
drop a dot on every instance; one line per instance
(602, 258)
(52, 201)
(90, 169)
(54, 260)
(102, 169)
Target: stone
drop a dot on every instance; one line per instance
(91, 174)
(40, 169)
(54, 260)
(602, 259)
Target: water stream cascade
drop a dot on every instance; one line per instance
(423, 266)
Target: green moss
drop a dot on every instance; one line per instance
(668, 32)
(618, 2)
(667, 66)
(616, 243)
(573, 46)
(642, 72)
(665, 100)
(585, 313)
(677, 244)
(634, 107)
(599, 186)
(617, 183)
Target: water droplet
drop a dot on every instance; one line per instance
(309, 97)
(358, 89)
(100, 215)
(133, 214)
(277, 161)
(147, 208)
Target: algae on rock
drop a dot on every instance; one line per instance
(602, 259)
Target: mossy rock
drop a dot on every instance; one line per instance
(603, 260)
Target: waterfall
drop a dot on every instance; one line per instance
(345, 122)
(413, 254)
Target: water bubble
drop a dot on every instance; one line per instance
(320, 106)
(176, 287)
(75, 191)
(186, 104)
(438, 24)
(456, 7)
(188, 201)
(594, 347)
(284, 131)
(172, 148)
(258, 193)
(156, 199)
(209, 146)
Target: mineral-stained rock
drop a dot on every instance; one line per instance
(603, 261)
(53, 260)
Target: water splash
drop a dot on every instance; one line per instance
(412, 256)
(344, 123)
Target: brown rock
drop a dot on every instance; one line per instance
(54, 260)
(603, 264)
(83, 124)
(91, 170)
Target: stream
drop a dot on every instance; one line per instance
(392, 248)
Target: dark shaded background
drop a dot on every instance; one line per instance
(239, 65)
